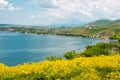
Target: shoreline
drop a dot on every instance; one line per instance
(67, 35)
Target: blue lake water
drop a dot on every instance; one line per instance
(17, 48)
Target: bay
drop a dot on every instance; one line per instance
(18, 48)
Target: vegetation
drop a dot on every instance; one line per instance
(99, 49)
(83, 68)
(117, 37)
(70, 54)
(53, 58)
(101, 22)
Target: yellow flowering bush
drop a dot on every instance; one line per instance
(83, 68)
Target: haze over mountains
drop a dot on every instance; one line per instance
(101, 22)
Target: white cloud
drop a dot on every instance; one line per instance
(5, 5)
(77, 10)
(46, 3)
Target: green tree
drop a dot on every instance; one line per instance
(53, 58)
(96, 50)
(118, 37)
(70, 54)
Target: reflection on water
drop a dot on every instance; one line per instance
(17, 48)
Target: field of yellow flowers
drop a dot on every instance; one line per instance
(83, 68)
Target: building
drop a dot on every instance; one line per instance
(91, 26)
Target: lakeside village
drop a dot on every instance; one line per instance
(64, 31)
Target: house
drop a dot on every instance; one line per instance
(90, 26)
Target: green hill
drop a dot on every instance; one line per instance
(103, 29)
(100, 22)
(104, 22)
(115, 22)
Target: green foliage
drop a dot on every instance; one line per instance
(118, 36)
(112, 36)
(115, 36)
(104, 71)
(88, 47)
(96, 50)
(53, 58)
(70, 54)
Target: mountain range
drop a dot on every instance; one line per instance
(101, 22)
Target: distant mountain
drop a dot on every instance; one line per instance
(66, 24)
(101, 22)
(14, 25)
(52, 25)
(5, 25)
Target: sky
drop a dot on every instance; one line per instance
(45, 12)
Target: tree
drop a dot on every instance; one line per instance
(53, 58)
(96, 50)
(118, 37)
(70, 55)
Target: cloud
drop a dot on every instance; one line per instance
(5, 5)
(45, 3)
(77, 10)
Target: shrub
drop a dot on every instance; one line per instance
(53, 58)
(70, 54)
(117, 37)
(96, 50)
(102, 45)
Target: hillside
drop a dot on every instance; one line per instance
(100, 22)
(98, 31)
(104, 22)
(102, 29)
(115, 22)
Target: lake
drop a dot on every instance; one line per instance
(17, 48)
